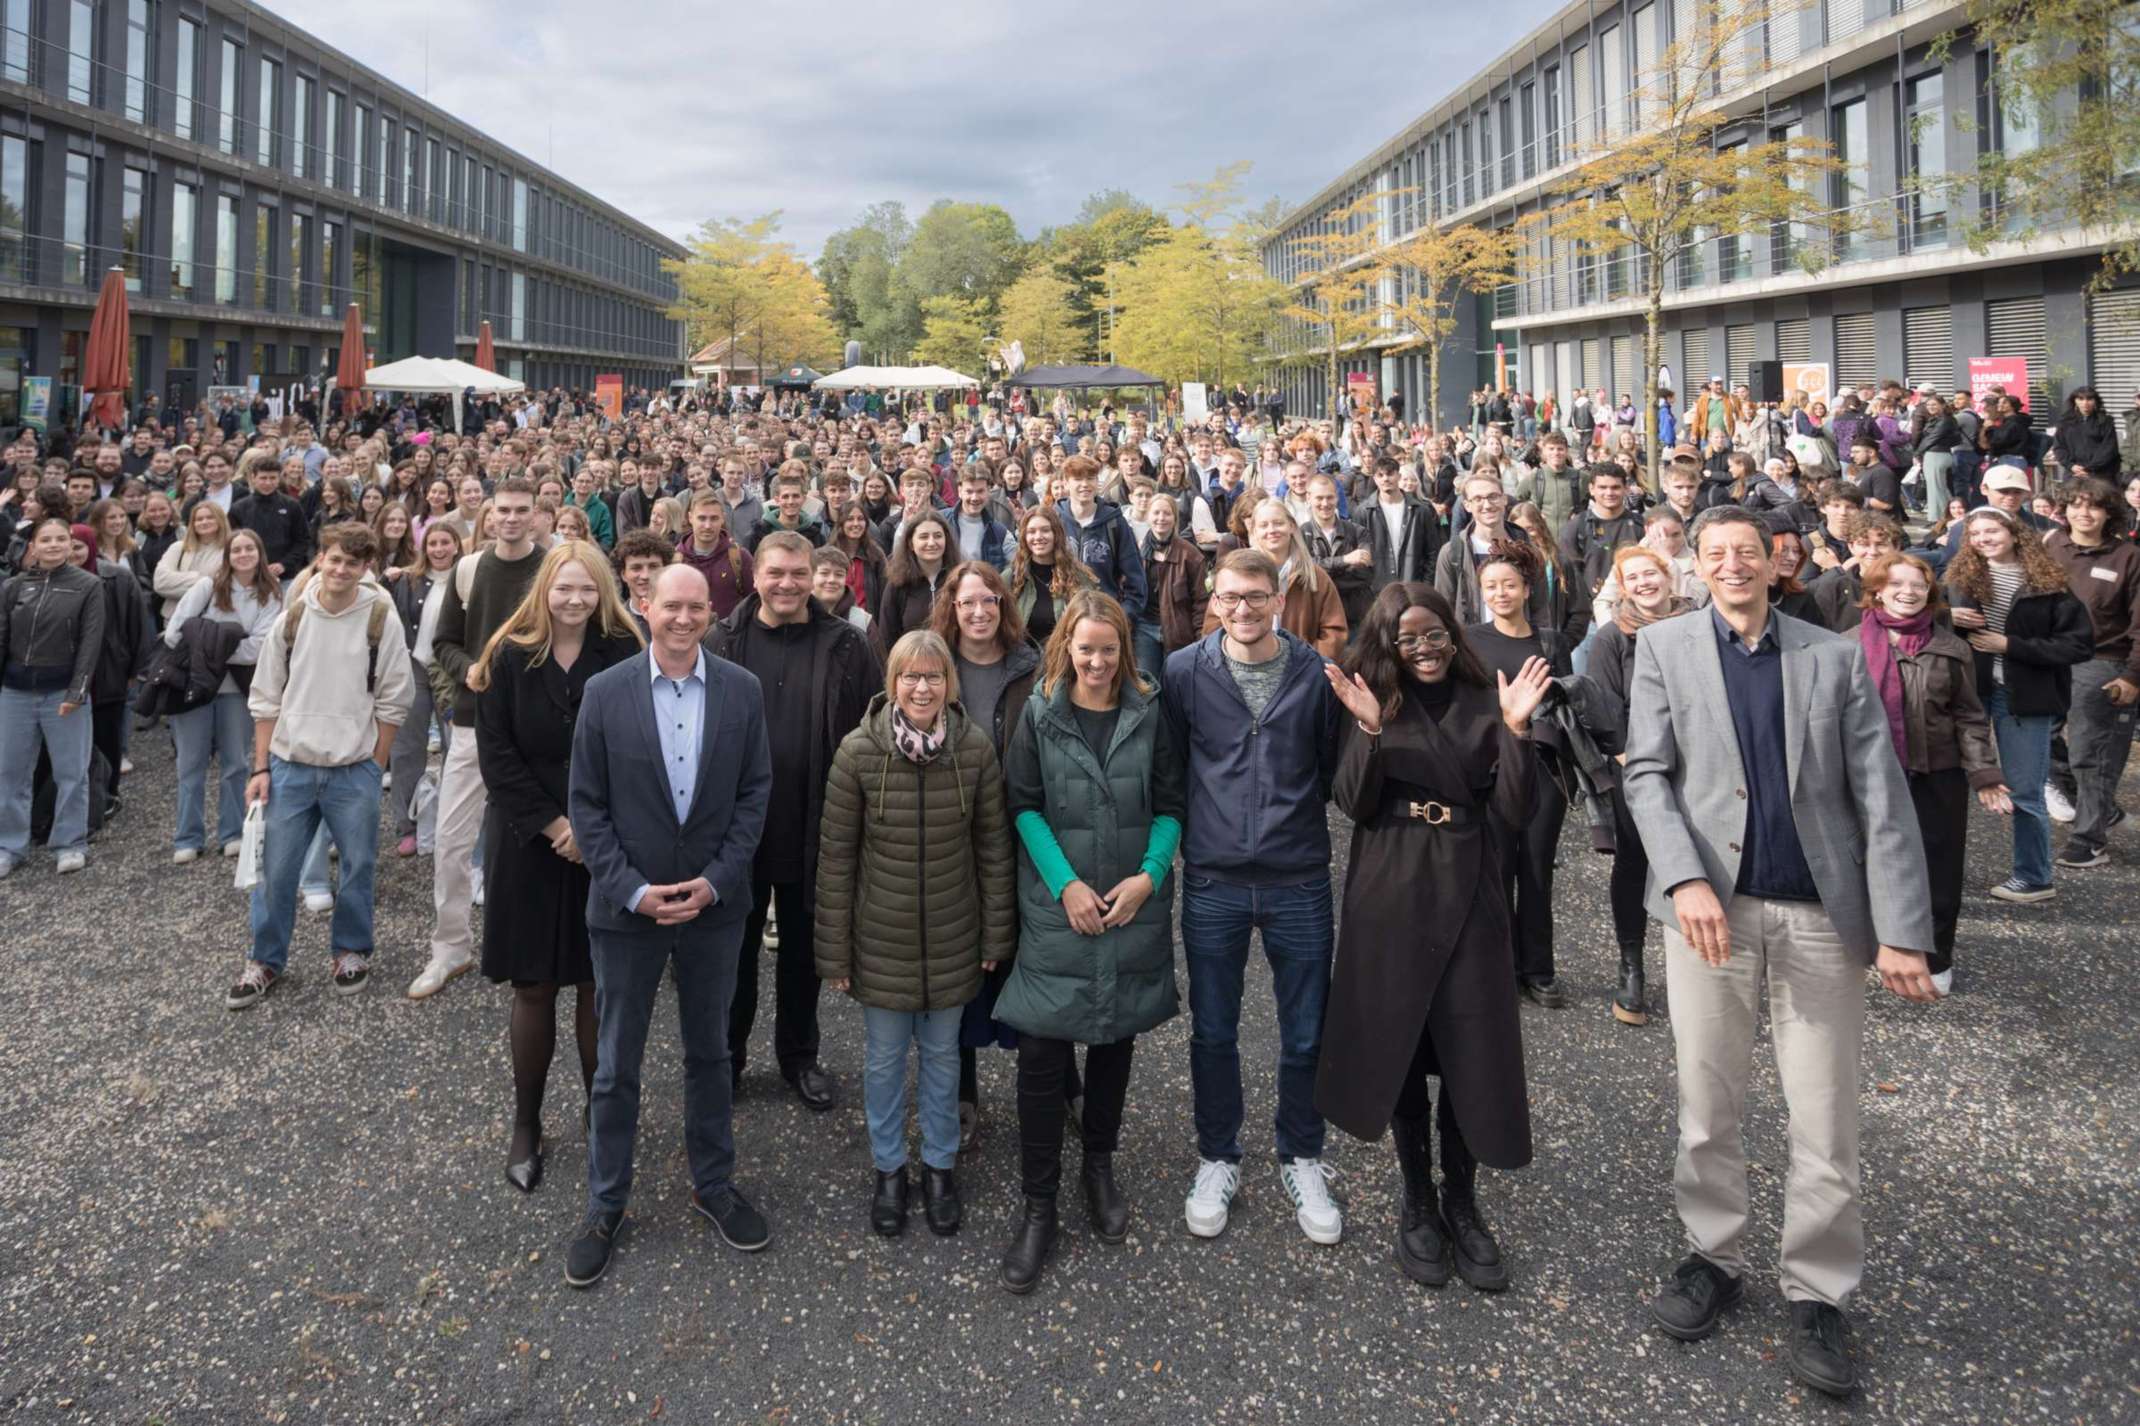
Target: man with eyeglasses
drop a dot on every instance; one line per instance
(1456, 570)
(817, 673)
(1250, 704)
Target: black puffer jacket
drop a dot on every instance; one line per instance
(124, 649)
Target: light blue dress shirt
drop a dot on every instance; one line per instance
(679, 722)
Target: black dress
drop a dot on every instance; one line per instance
(535, 916)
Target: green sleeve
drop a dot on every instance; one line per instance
(1047, 853)
(1159, 851)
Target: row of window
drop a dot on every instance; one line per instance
(242, 246)
(267, 109)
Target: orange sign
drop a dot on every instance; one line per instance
(1811, 378)
(609, 395)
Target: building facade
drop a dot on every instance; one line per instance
(251, 182)
(1898, 91)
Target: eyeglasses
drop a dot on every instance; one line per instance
(1432, 639)
(921, 680)
(1254, 600)
(1490, 498)
(975, 606)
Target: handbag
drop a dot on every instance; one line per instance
(250, 847)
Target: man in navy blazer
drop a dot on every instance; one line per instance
(671, 773)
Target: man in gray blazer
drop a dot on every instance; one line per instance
(1783, 848)
(671, 773)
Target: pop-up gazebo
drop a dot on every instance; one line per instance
(895, 378)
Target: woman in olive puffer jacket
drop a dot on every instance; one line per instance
(914, 902)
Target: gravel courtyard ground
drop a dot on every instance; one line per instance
(299, 1213)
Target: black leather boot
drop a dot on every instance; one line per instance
(940, 1201)
(1030, 1242)
(1627, 1006)
(1104, 1203)
(1478, 1256)
(888, 1207)
(1422, 1250)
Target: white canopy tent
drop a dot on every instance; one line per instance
(442, 376)
(895, 378)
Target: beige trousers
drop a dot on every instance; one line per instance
(461, 801)
(1816, 992)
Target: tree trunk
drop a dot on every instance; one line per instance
(1434, 383)
(1652, 348)
(1337, 405)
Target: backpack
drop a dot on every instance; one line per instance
(375, 625)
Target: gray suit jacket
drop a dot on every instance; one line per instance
(1686, 788)
(623, 816)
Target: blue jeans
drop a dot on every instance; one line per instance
(1151, 646)
(628, 968)
(1216, 919)
(302, 798)
(224, 728)
(2025, 758)
(886, 1035)
(25, 718)
(316, 875)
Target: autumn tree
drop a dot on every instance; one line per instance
(1196, 303)
(871, 302)
(1437, 269)
(1038, 313)
(1343, 298)
(740, 282)
(953, 332)
(1667, 187)
(1111, 229)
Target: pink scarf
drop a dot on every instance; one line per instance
(1912, 636)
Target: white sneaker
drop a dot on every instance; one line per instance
(475, 889)
(72, 862)
(232, 848)
(319, 901)
(1217, 1181)
(1943, 981)
(126, 765)
(7, 865)
(386, 781)
(1307, 1184)
(2058, 804)
(185, 855)
(435, 975)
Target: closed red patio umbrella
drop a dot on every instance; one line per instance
(107, 367)
(349, 371)
(486, 355)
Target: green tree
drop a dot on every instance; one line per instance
(1036, 312)
(869, 301)
(1195, 302)
(953, 332)
(741, 283)
(1667, 187)
(970, 251)
(1110, 229)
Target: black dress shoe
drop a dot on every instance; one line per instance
(940, 1201)
(1104, 1203)
(1697, 1295)
(526, 1174)
(1818, 1356)
(1478, 1256)
(741, 1226)
(813, 1087)
(1545, 992)
(588, 1257)
(888, 1205)
(1030, 1242)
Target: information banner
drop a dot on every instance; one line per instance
(609, 395)
(2012, 373)
(37, 402)
(1809, 377)
(1194, 404)
(1360, 386)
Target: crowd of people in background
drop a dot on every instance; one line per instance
(992, 715)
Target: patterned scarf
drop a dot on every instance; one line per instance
(914, 745)
(1912, 634)
(1633, 620)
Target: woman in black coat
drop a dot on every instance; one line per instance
(1435, 775)
(528, 683)
(911, 579)
(2085, 438)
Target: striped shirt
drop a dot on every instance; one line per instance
(2005, 587)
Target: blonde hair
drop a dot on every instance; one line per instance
(529, 626)
(913, 646)
(1305, 569)
(188, 544)
(1100, 608)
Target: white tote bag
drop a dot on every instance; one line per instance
(252, 847)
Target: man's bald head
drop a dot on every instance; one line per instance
(678, 614)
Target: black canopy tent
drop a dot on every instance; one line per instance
(1079, 378)
(796, 378)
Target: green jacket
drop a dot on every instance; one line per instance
(914, 867)
(599, 523)
(1095, 990)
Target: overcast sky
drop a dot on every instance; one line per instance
(679, 113)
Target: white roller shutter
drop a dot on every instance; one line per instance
(1857, 360)
(1928, 347)
(2114, 347)
(2013, 327)
(1695, 341)
(1794, 339)
(1593, 364)
(1738, 352)
(1626, 380)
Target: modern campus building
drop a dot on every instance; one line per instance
(251, 182)
(1905, 297)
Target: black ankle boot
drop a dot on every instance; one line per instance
(1030, 1242)
(1104, 1203)
(940, 1201)
(1627, 1007)
(888, 1207)
(1478, 1256)
(1422, 1250)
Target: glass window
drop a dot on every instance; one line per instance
(81, 42)
(520, 215)
(1508, 142)
(226, 248)
(383, 180)
(409, 203)
(133, 203)
(1467, 163)
(359, 184)
(226, 134)
(140, 58)
(330, 254)
(74, 221)
(263, 253)
(298, 226)
(1644, 22)
(1612, 90)
(434, 181)
(1927, 119)
(332, 175)
(1853, 150)
(267, 122)
(1582, 122)
(15, 43)
(182, 76)
(1529, 111)
(301, 127)
(517, 325)
(185, 212)
(14, 206)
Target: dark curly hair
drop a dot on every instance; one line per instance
(1373, 656)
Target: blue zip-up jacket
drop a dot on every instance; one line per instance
(1258, 787)
(1110, 552)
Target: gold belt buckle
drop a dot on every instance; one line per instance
(1434, 814)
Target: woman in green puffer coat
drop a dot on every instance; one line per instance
(914, 903)
(1098, 790)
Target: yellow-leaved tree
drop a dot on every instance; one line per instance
(1344, 299)
(1436, 269)
(953, 332)
(742, 283)
(1195, 303)
(1037, 313)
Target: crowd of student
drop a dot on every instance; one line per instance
(955, 710)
